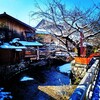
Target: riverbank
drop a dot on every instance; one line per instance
(41, 74)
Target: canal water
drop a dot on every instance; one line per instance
(24, 86)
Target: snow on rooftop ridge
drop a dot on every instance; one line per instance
(42, 31)
(26, 43)
(86, 44)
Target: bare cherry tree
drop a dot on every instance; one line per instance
(67, 25)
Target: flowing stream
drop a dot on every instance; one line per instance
(25, 85)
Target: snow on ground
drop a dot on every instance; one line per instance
(5, 95)
(26, 78)
(66, 68)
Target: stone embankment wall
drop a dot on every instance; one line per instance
(78, 70)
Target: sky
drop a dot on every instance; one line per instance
(22, 9)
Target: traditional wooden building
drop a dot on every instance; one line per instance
(10, 54)
(11, 31)
(43, 36)
(14, 28)
(43, 32)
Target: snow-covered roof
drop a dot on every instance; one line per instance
(87, 44)
(27, 43)
(8, 46)
(41, 31)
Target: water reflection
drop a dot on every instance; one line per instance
(26, 85)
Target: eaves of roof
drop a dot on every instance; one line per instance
(5, 15)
